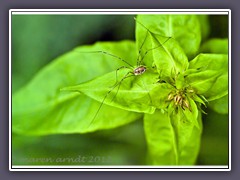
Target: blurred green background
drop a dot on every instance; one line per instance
(38, 39)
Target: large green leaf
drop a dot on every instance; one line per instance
(160, 94)
(41, 108)
(191, 114)
(130, 92)
(202, 81)
(188, 134)
(174, 139)
(162, 52)
(212, 78)
(204, 26)
(215, 46)
(220, 105)
(184, 28)
(160, 137)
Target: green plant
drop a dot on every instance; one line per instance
(169, 96)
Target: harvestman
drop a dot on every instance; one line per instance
(137, 70)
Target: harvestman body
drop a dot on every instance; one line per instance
(139, 70)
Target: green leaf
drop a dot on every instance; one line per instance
(174, 139)
(40, 108)
(73, 115)
(204, 25)
(212, 78)
(162, 52)
(201, 82)
(187, 134)
(160, 94)
(170, 58)
(131, 93)
(220, 105)
(191, 114)
(160, 139)
(184, 28)
(180, 81)
(198, 99)
(215, 46)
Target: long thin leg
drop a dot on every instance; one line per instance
(109, 54)
(140, 50)
(125, 77)
(106, 97)
(141, 24)
(119, 69)
(161, 45)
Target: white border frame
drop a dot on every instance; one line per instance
(117, 11)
